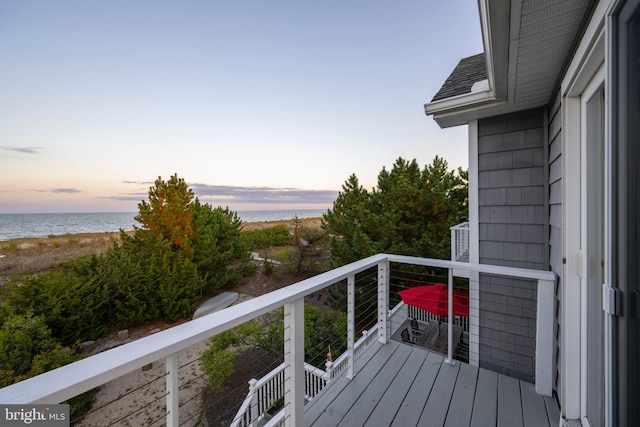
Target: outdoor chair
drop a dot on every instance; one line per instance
(406, 337)
(415, 328)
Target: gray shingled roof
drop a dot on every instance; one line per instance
(468, 71)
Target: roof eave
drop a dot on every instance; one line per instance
(461, 113)
(451, 111)
(496, 25)
(495, 22)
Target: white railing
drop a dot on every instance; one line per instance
(69, 381)
(460, 242)
(425, 316)
(268, 391)
(338, 366)
(264, 391)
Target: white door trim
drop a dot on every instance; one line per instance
(594, 86)
(586, 67)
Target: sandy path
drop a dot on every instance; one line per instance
(138, 398)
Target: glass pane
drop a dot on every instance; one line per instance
(630, 309)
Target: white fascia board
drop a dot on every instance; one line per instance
(456, 102)
(460, 109)
(485, 27)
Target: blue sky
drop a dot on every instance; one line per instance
(255, 104)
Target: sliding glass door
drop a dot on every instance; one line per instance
(626, 211)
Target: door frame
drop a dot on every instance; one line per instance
(585, 75)
(596, 84)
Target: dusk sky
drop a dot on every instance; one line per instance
(255, 104)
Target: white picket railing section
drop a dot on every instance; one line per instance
(424, 316)
(460, 242)
(265, 392)
(270, 388)
(69, 381)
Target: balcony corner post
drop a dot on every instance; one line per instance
(351, 321)
(294, 363)
(383, 301)
(173, 385)
(544, 337)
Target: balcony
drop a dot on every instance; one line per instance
(375, 374)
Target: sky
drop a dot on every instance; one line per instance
(255, 104)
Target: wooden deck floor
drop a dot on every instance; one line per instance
(402, 385)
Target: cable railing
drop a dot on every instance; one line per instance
(368, 292)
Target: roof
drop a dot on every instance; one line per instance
(528, 45)
(468, 71)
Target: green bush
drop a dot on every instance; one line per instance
(217, 246)
(28, 349)
(218, 366)
(263, 238)
(73, 305)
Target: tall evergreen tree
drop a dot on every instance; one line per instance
(409, 212)
(168, 212)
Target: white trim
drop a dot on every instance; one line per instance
(544, 337)
(514, 43)
(571, 338)
(585, 68)
(294, 363)
(577, 75)
(461, 101)
(594, 85)
(481, 86)
(474, 247)
(485, 25)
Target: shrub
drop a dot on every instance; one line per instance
(73, 305)
(263, 238)
(218, 366)
(28, 349)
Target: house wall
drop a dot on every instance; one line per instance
(555, 224)
(513, 231)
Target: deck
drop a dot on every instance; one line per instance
(403, 385)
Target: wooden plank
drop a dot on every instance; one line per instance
(509, 403)
(332, 414)
(534, 410)
(328, 394)
(435, 411)
(553, 411)
(485, 404)
(409, 412)
(383, 414)
(372, 395)
(459, 413)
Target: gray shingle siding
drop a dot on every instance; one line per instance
(513, 232)
(555, 220)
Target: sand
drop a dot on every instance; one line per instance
(138, 398)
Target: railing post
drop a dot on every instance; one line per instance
(449, 358)
(173, 385)
(351, 321)
(383, 301)
(254, 411)
(544, 337)
(294, 363)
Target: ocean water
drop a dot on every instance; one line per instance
(15, 226)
